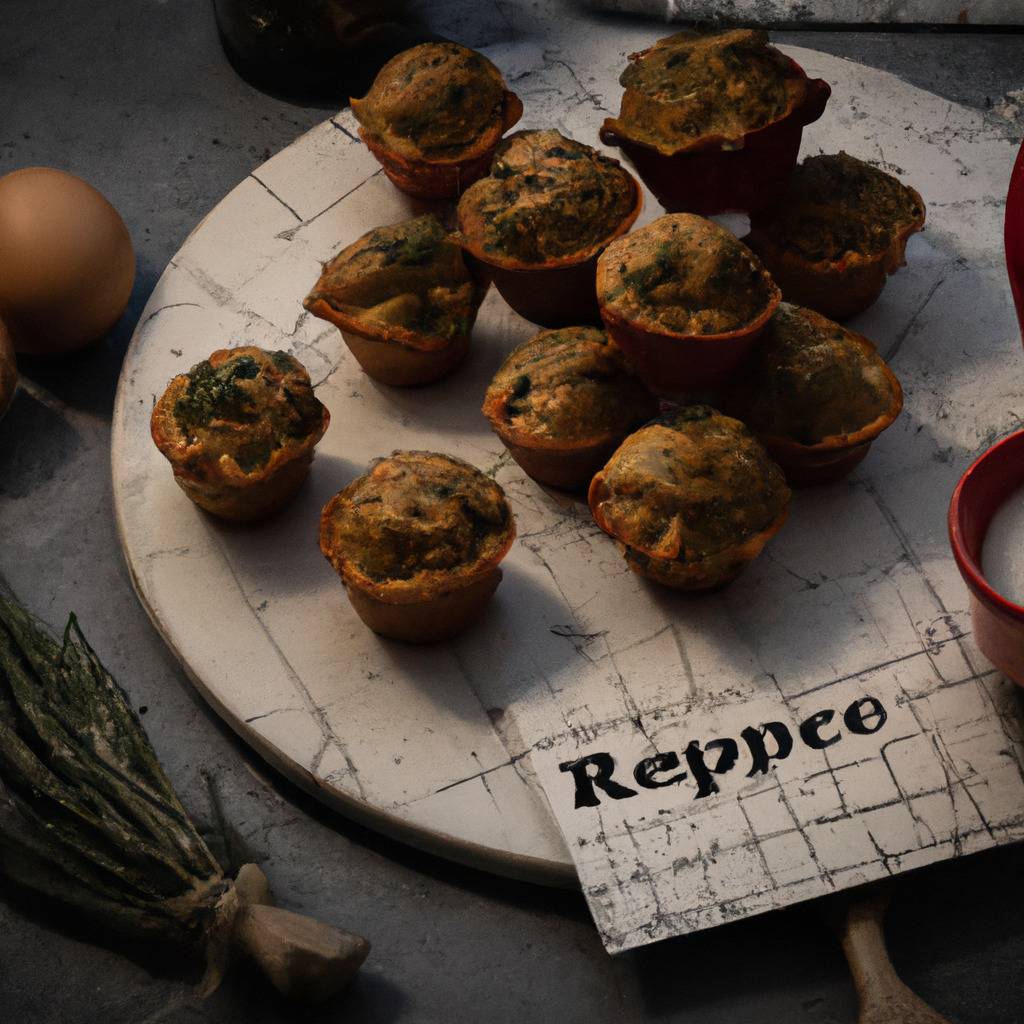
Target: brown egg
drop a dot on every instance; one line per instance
(66, 261)
(8, 370)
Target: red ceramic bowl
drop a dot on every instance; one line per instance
(1014, 235)
(708, 179)
(998, 622)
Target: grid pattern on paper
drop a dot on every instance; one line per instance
(944, 780)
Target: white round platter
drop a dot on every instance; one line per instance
(432, 744)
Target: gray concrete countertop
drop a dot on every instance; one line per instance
(137, 97)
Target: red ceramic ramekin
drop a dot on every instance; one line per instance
(988, 482)
(709, 179)
(671, 363)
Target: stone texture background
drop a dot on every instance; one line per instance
(137, 97)
(828, 12)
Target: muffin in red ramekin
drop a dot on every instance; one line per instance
(433, 117)
(690, 499)
(563, 401)
(840, 230)
(685, 300)
(537, 223)
(815, 394)
(713, 121)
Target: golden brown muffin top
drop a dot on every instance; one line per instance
(837, 204)
(690, 485)
(415, 519)
(243, 406)
(686, 275)
(809, 379)
(407, 282)
(699, 86)
(571, 384)
(547, 198)
(433, 101)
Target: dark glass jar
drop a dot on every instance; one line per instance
(314, 49)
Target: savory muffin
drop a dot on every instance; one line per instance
(816, 395)
(403, 300)
(563, 401)
(695, 86)
(433, 117)
(547, 198)
(690, 498)
(684, 299)
(712, 120)
(417, 542)
(239, 430)
(840, 229)
(539, 220)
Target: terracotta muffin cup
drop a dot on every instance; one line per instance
(834, 457)
(559, 292)
(401, 365)
(242, 501)
(998, 623)
(708, 574)
(838, 289)
(394, 355)
(567, 468)
(707, 179)
(445, 179)
(425, 622)
(673, 363)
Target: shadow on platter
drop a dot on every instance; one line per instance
(284, 549)
(514, 651)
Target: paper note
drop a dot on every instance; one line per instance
(707, 810)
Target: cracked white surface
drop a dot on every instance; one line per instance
(858, 595)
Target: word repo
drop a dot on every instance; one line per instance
(595, 771)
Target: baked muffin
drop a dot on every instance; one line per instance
(841, 227)
(403, 299)
(239, 430)
(712, 121)
(433, 117)
(684, 299)
(563, 401)
(690, 498)
(539, 220)
(816, 395)
(417, 542)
